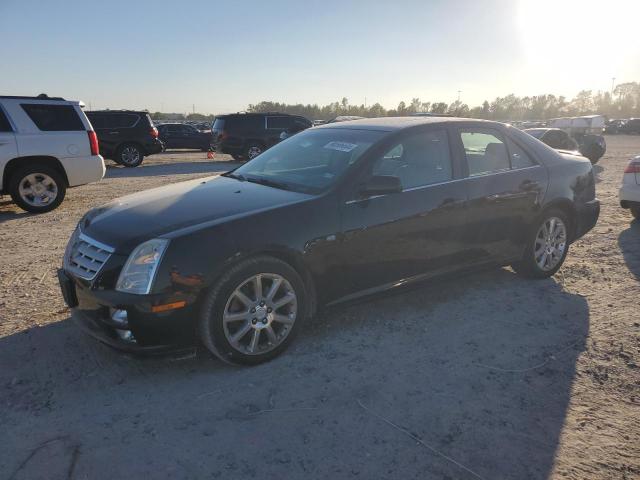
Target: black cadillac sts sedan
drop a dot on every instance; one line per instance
(239, 262)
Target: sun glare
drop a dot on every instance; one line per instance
(586, 39)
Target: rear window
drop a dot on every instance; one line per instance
(54, 118)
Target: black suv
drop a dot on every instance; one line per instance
(246, 135)
(178, 135)
(125, 136)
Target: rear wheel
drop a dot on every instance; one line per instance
(37, 188)
(253, 150)
(129, 155)
(254, 311)
(547, 246)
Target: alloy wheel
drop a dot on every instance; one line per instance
(260, 313)
(130, 155)
(550, 243)
(253, 152)
(38, 189)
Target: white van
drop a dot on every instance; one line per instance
(46, 146)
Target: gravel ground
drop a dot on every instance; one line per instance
(486, 376)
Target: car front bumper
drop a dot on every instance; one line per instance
(142, 331)
(587, 217)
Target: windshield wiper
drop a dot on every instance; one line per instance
(268, 182)
(237, 176)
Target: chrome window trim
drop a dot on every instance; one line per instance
(454, 180)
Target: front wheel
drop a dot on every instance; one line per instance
(37, 188)
(254, 311)
(547, 246)
(129, 155)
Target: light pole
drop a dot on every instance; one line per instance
(613, 82)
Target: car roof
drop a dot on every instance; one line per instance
(256, 114)
(139, 112)
(390, 124)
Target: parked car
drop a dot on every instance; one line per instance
(178, 135)
(244, 136)
(46, 146)
(344, 118)
(242, 260)
(592, 147)
(613, 126)
(125, 136)
(631, 126)
(630, 189)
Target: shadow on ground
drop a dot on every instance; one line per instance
(629, 243)
(463, 378)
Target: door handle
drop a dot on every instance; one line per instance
(529, 185)
(113, 133)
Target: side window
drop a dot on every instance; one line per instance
(125, 120)
(278, 123)
(519, 158)
(418, 160)
(5, 126)
(485, 152)
(53, 118)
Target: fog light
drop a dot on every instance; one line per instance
(119, 317)
(126, 336)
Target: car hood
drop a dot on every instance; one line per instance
(127, 221)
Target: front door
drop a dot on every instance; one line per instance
(393, 237)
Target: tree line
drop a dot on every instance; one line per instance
(624, 103)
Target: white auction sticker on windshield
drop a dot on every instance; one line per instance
(341, 146)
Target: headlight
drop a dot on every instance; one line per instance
(140, 270)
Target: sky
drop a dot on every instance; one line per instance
(221, 56)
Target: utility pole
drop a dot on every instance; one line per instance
(193, 108)
(459, 92)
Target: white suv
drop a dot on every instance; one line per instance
(630, 189)
(46, 145)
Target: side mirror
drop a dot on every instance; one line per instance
(381, 185)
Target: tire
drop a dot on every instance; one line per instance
(530, 264)
(237, 158)
(129, 155)
(253, 150)
(50, 183)
(250, 315)
(635, 211)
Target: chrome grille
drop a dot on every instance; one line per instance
(87, 256)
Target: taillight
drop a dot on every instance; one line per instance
(93, 143)
(634, 166)
(154, 132)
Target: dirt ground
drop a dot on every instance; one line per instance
(484, 376)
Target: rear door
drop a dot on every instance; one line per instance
(504, 186)
(388, 238)
(8, 147)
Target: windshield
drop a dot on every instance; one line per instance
(310, 161)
